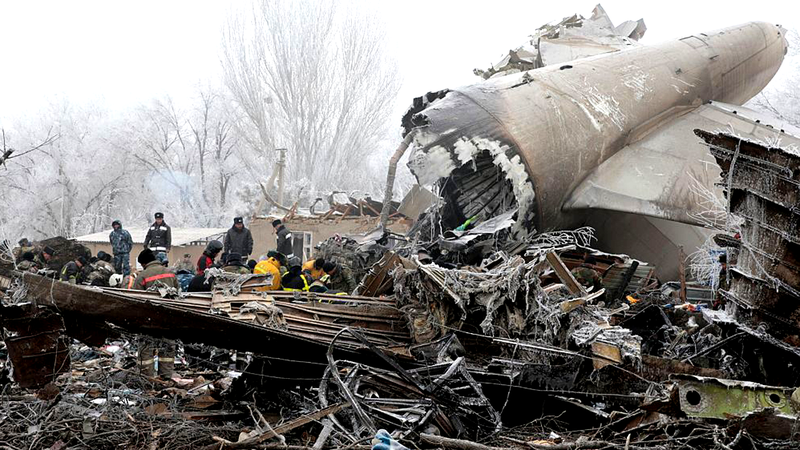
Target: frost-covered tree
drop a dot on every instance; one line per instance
(781, 98)
(186, 157)
(311, 76)
(69, 185)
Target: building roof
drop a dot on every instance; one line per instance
(180, 236)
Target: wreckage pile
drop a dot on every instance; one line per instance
(473, 344)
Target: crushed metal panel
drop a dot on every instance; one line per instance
(715, 398)
(762, 183)
(416, 202)
(571, 38)
(37, 344)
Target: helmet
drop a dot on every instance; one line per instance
(294, 261)
(115, 280)
(214, 246)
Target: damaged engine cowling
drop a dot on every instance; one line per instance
(527, 140)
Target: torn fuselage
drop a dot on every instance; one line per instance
(542, 132)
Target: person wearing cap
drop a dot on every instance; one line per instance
(235, 265)
(313, 268)
(72, 271)
(154, 274)
(159, 236)
(283, 238)
(239, 239)
(272, 265)
(121, 246)
(339, 278)
(42, 260)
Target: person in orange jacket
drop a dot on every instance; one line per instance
(313, 268)
(271, 265)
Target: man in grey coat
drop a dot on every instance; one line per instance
(239, 239)
(121, 245)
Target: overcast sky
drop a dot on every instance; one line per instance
(125, 53)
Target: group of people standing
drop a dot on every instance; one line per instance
(231, 255)
(287, 270)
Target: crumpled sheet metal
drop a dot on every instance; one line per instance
(629, 344)
(509, 297)
(761, 180)
(572, 38)
(38, 346)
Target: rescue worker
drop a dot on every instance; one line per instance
(129, 282)
(42, 260)
(23, 246)
(319, 286)
(313, 268)
(153, 276)
(295, 280)
(159, 236)
(238, 239)
(587, 276)
(100, 271)
(26, 264)
(283, 238)
(340, 278)
(184, 271)
(272, 265)
(72, 271)
(235, 265)
(185, 264)
(121, 246)
(200, 284)
(206, 260)
(251, 264)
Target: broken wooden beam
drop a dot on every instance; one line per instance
(224, 444)
(565, 275)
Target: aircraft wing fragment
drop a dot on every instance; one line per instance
(665, 171)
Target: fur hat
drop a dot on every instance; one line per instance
(145, 257)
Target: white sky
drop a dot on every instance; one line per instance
(125, 53)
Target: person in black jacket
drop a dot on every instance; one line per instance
(283, 238)
(159, 236)
(239, 239)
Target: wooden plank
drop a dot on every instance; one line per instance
(278, 430)
(565, 275)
